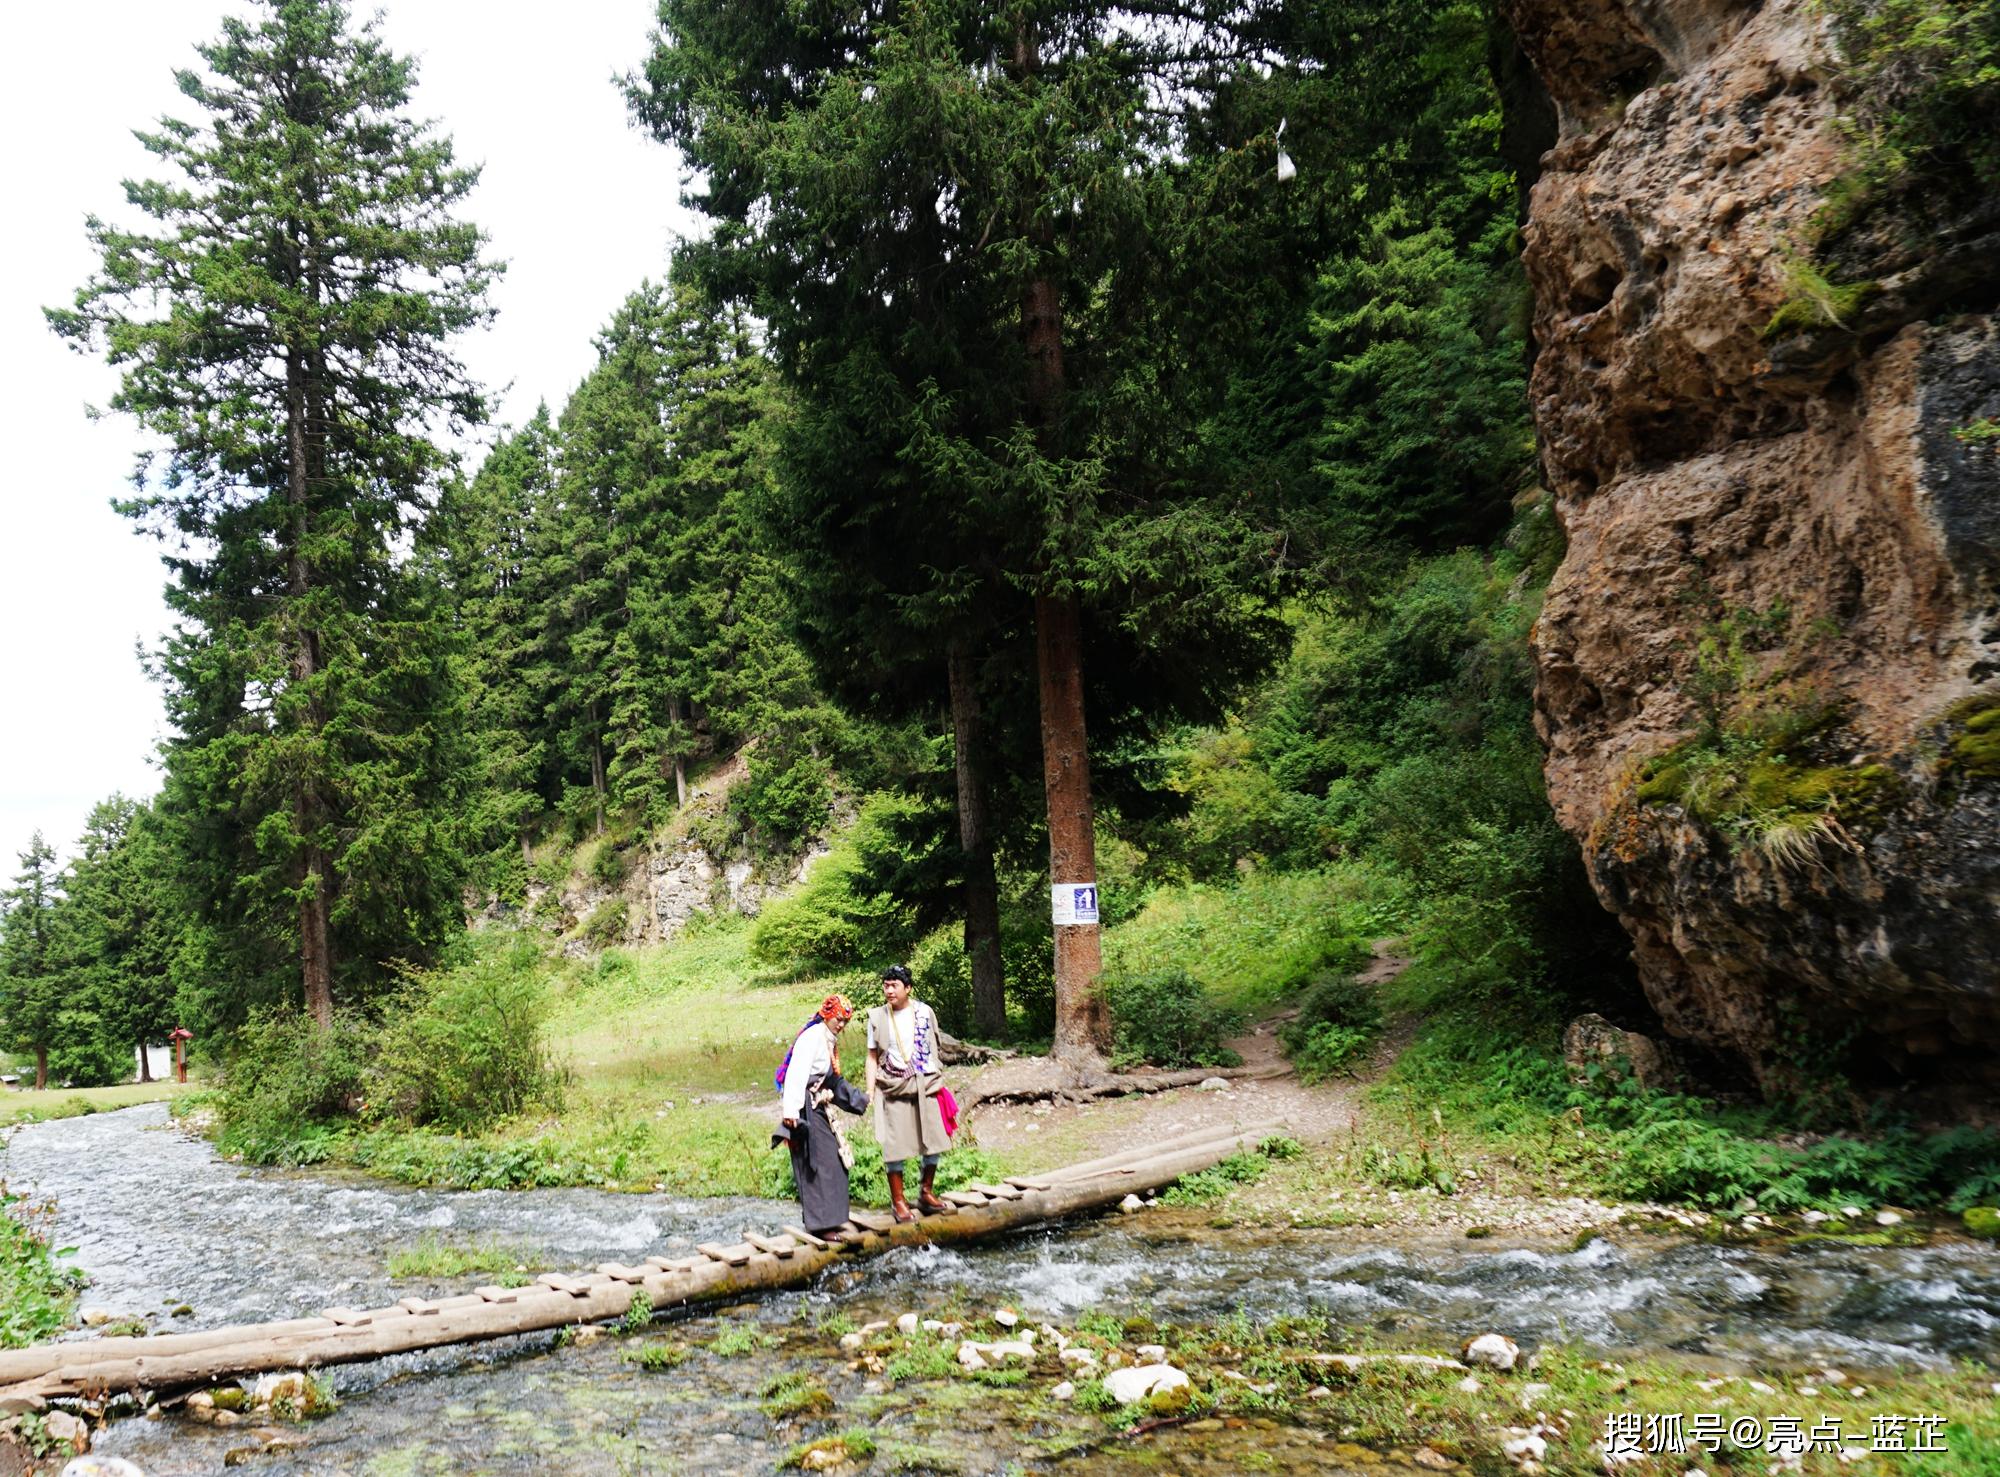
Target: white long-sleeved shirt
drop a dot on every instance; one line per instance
(812, 1054)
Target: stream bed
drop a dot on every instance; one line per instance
(160, 1222)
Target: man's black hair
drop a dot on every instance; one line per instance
(899, 972)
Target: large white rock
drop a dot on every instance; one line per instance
(1130, 1204)
(1011, 1349)
(1006, 1317)
(971, 1356)
(1063, 1391)
(1495, 1350)
(907, 1324)
(1130, 1386)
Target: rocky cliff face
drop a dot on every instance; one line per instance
(1769, 667)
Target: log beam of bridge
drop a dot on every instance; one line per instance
(31, 1377)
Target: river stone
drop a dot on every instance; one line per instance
(1077, 1356)
(932, 1325)
(1130, 1204)
(1151, 1353)
(1495, 1350)
(970, 1356)
(1063, 1391)
(1983, 1221)
(1011, 1349)
(94, 1317)
(1887, 1218)
(1130, 1386)
(65, 1429)
(850, 1341)
(1006, 1317)
(1214, 1084)
(906, 1324)
(1534, 1394)
(102, 1466)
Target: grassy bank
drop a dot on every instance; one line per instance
(28, 1106)
(37, 1290)
(665, 1058)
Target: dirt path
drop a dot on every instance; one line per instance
(1042, 1135)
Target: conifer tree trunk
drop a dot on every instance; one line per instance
(680, 761)
(982, 887)
(41, 1068)
(597, 766)
(315, 932)
(1082, 1025)
(145, 1060)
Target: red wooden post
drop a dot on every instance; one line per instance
(180, 1037)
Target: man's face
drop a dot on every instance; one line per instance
(896, 993)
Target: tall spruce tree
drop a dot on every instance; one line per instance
(282, 330)
(31, 995)
(986, 240)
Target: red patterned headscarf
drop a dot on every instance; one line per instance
(836, 1008)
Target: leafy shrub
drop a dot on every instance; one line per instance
(463, 1048)
(1328, 1050)
(1166, 1019)
(863, 904)
(1339, 1016)
(606, 924)
(609, 865)
(285, 1075)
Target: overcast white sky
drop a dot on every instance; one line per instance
(580, 205)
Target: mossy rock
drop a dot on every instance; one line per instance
(1833, 308)
(1665, 786)
(1975, 748)
(1983, 1221)
(229, 1397)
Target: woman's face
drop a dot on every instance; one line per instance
(837, 1023)
(896, 993)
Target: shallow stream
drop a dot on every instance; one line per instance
(160, 1221)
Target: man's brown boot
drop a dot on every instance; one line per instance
(901, 1207)
(927, 1200)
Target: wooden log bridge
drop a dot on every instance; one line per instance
(93, 1368)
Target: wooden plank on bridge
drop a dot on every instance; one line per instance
(619, 1272)
(806, 1238)
(417, 1307)
(998, 1192)
(965, 1199)
(556, 1282)
(735, 1256)
(499, 1294)
(871, 1220)
(782, 1246)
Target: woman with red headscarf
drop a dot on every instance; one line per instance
(810, 1082)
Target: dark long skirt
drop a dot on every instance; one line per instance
(816, 1168)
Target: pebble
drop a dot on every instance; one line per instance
(1006, 1317)
(1063, 1391)
(932, 1325)
(1887, 1218)
(1130, 1204)
(101, 1466)
(1130, 1386)
(1011, 1349)
(1852, 1212)
(850, 1341)
(1495, 1350)
(1213, 1084)
(94, 1317)
(907, 1324)
(1151, 1353)
(970, 1358)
